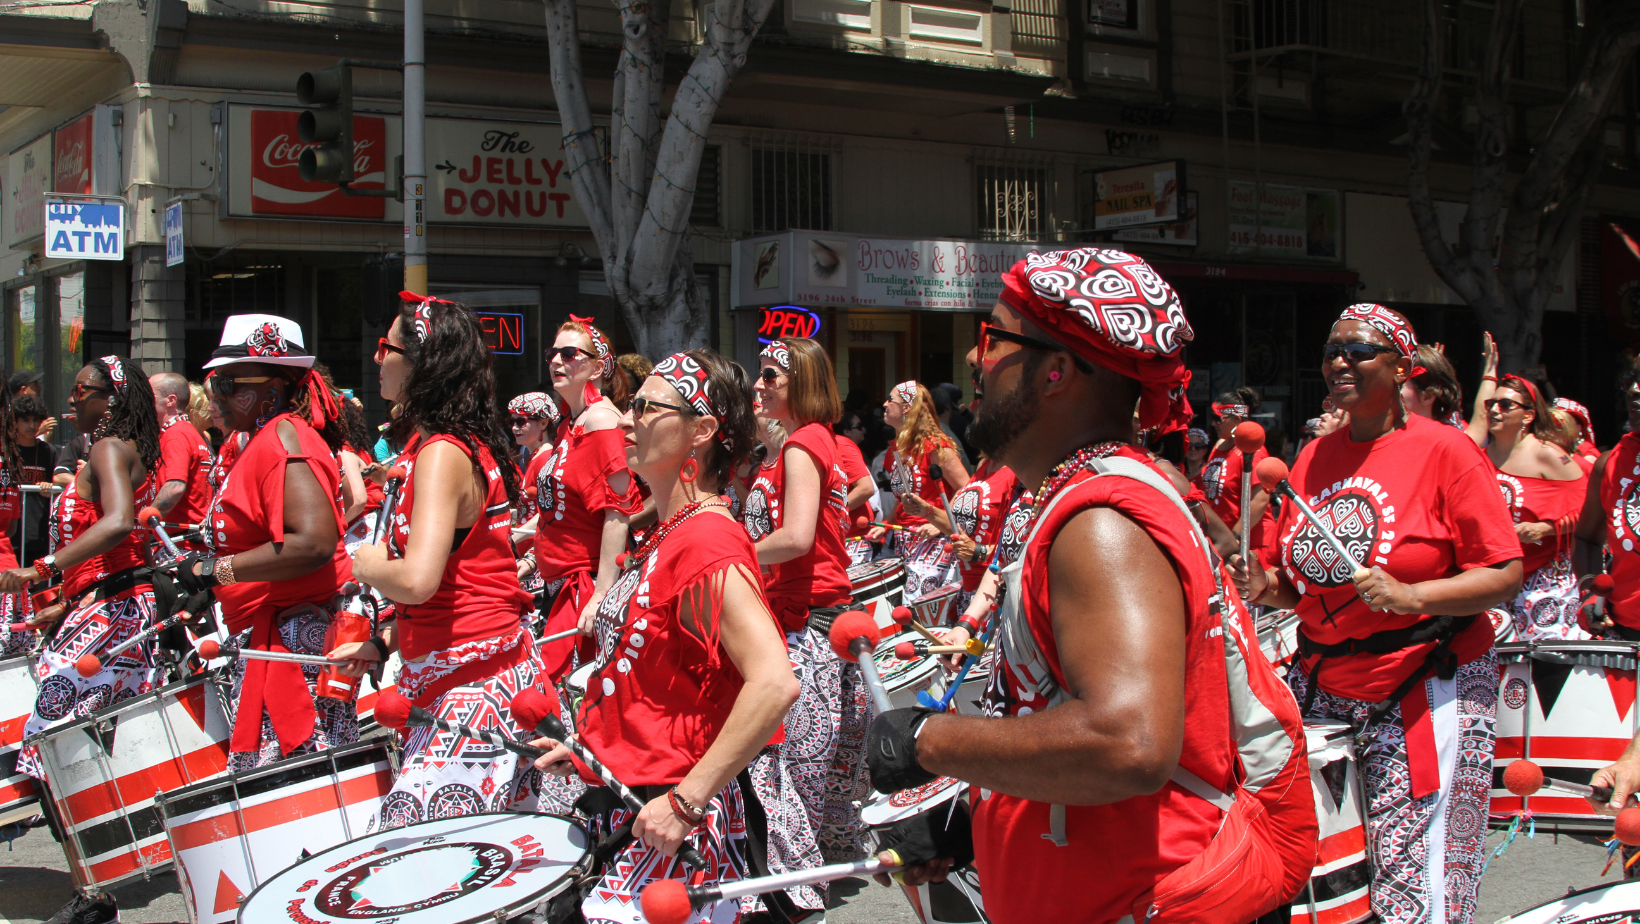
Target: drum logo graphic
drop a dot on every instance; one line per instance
(1351, 516)
(757, 515)
(1210, 478)
(917, 794)
(1012, 540)
(965, 507)
(387, 886)
(1514, 693)
(1631, 509)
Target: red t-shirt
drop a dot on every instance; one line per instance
(910, 476)
(185, 456)
(979, 508)
(249, 511)
(659, 694)
(1541, 500)
(1419, 502)
(73, 515)
(854, 468)
(478, 597)
(1220, 482)
(1134, 843)
(572, 494)
(1620, 499)
(232, 446)
(818, 577)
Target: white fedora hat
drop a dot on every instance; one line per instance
(261, 338)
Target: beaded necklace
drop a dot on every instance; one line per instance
(1069, 467)
(655, 538)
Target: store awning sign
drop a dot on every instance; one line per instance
(1148, 194)
(85, 228)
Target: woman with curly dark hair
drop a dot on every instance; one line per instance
(107, 592)
(275, 538)
(448, 567)
(13, 607)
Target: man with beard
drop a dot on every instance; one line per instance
(1106, 714)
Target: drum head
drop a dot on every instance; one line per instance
(1609, 904)
(449, 871)
(885, 810)
(897, 673)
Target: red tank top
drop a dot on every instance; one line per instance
(572, 494)
(854, 467)
(1134, 843)
(979, 509)
(910, 476)
(478, 597)
(818, 577)
(1542, 500)
(1620, 499)
(249, 511)
(73, 515)
(659, 694)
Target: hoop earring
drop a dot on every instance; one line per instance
(689, 471)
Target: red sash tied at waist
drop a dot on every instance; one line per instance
(277, 687)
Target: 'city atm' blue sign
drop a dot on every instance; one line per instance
(85, 228)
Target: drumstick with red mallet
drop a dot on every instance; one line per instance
(149, 517)
(1272, 473)
(87, 665)
(671, 901)
(1249, 436)
(905, 617)
(535, 709)
(1525, 778)
(854, 638)
(211, 649)
(907, 651)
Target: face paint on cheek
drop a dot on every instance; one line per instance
(242, 401)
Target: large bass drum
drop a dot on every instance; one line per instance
(19, 793)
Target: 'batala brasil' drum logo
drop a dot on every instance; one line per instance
(1356, 513)
(1630, 512)
(388, 886)
(1514, 693)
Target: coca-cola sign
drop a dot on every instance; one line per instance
(278, 189)
(73, 144)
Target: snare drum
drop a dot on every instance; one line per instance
(1278, 639)
(1503, 626)
(104, 770)
(934, 609)
(883, 579)
(474, 868)
(1337, 893)
(904, 679)
(19, 793)
(230, 834)
(1569, 706)
(957, 899)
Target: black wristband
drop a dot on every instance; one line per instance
(891, 750)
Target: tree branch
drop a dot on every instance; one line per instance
(582, 158)
(1479, 230)
(1420, 115)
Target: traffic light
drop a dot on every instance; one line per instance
(331, 124)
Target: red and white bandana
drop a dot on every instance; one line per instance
(423, 319)
(906, 393)
(779, 354)
(116, 373)
(1579, 413)
(1113, 309)
(600, 343)
(536, 405)
(689, 377)
(1232, 410)
(1386, 322)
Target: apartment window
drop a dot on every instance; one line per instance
(1012, 202)
(707, 210)
(791, 186)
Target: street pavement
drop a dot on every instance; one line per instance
(34, 883)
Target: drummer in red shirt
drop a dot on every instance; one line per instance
(922, 465)
(1403, 653)
(1610, 522)
(584, 493)
(691, 678)
(795, 515)
(185, 457)
(861, 487)
(1220, 478)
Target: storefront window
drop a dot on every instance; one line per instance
(23, 347)
(70, 338)
(511, 319)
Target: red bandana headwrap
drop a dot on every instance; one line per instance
(1579, 413)
(779, 354)
(681, 371)
(1389, 324)
(600, 343)
(116, 374)
(906, 393)
(1111, 308)
(423, 319)
(1232, 410)
(537, 405)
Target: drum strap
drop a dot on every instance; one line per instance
(1438, 629)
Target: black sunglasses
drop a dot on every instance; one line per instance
(224, 387)
(641, 406)
(769, 374)
(989, 332)
(565, 353)
(1506, 405)
(1353, 352)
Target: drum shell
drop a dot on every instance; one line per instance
(1570, 708)
(106, 769)
(905, 679)
(956, 901)
(1614, 902)
(934, 609)
(1339, 882)
(230, 834)
(19, 793)
(878, 587)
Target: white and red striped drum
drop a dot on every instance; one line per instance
(104, 770)
(878, 588)
(957, 899)
(1337, 893)
(231, 834)
(934, 609)
(464, 870)
(19, 793)
(1569, 706)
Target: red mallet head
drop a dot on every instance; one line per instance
(147, 515)
(1523, 778)
(88, 665)
(1628, 827)
(905, 651)
(665, 901)
(862, 521)
(903, 615)
(397, 472)
(849, 626)
(1249, 437)
(531, 705)
(210, 649)
(1271, 472)
(532, 492)
(392, 709)
(620, 560)
(1603, 585)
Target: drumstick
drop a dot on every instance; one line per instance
(394, 711)
(149, 517)
(670, 901)
(557, 636)
(1249, 437)
(854, 638)
(904, 616)
(536, 709)
(906, 651)
(887, 525)
(390, 500)
(211, 649)
(1524, 778)
(21, 627)
(1272, 473)
(87, 665)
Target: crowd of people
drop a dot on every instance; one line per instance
(664, 548)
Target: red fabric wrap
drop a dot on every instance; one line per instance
(1113, 309)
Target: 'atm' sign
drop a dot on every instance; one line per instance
(503, 332)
